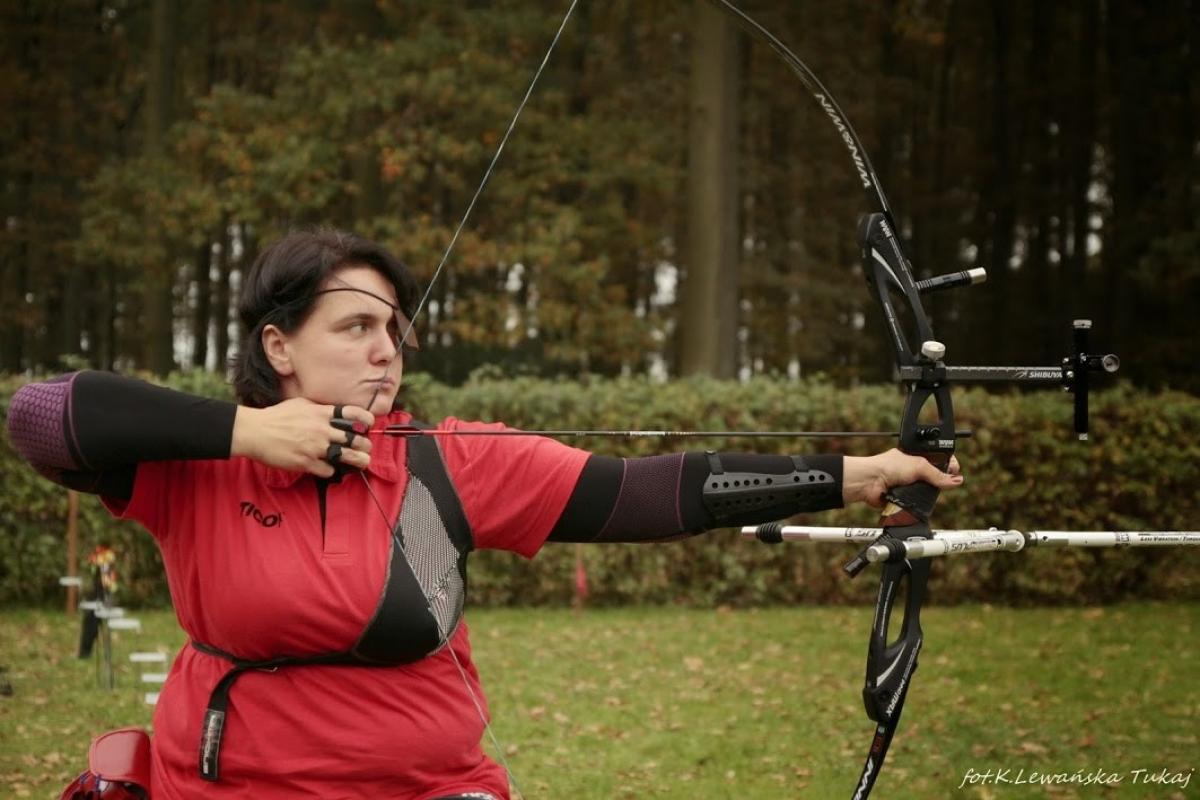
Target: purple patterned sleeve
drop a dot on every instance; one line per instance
(39, 426)
(648, 501)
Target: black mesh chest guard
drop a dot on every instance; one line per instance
(426, 587)
(731, 496)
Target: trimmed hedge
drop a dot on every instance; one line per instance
(1024, 470)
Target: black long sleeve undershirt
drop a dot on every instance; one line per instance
(89, 430)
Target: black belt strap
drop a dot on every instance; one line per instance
(218, 701)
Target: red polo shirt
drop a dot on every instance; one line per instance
(252, 572)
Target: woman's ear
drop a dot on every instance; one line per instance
(274, 344)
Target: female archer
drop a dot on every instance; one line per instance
(319, 569)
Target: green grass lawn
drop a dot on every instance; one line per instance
(680, 703)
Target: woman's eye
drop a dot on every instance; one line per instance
(358, 328)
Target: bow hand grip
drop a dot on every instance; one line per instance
(917, 498)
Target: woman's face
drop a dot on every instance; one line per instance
(346, 349)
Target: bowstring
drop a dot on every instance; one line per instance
(483, 717)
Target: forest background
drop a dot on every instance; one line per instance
(150, 148)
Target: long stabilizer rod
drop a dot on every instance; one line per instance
(953, 542)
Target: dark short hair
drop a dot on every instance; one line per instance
(281, 289)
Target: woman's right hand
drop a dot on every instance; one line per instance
(296, 434)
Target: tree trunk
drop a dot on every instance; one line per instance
(1037, 272)
(1081, 147)
(709, 299)
(14, 261)
(220, 309)
(160, 279)
(202, 314)
(1002, 179)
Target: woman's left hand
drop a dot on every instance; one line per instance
(868, 479)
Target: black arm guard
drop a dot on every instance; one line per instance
(661, 498)
(732, 496)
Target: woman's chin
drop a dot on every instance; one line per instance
(383, 404)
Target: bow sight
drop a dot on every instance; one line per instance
(884, 263)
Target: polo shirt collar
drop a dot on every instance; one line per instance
(282, 478)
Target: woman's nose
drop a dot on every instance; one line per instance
(385, 348)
